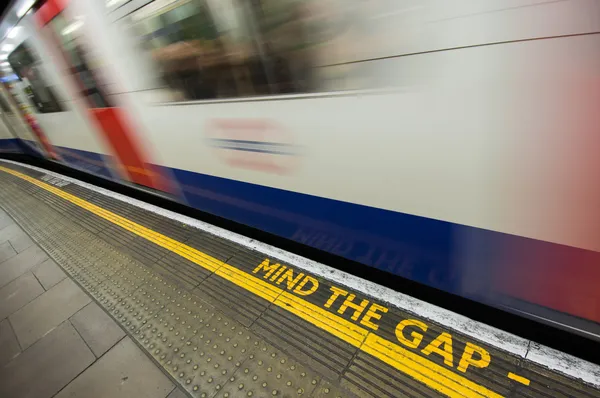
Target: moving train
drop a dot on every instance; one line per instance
(452, 143)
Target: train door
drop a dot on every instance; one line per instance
(62, 31)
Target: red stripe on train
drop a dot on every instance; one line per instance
(112, 125)
(49, 10)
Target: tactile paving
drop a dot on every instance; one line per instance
(205, 350)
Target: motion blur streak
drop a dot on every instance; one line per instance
(451, 143)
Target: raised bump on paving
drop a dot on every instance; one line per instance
(175, 328)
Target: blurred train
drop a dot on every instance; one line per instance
(453, 143)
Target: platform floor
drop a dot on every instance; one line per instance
(55, 340)
(100, 298)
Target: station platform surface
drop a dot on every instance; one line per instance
(102, 298)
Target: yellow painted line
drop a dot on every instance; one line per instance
(249, 282)
(419, 368)
(518, 379)
(338, 326)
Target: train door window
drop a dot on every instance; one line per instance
(77, 60)
(237, 48)
(28, 70)
(283, 34)
(204, 48)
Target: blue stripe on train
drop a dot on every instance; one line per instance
(82, 160)
(17, 145)
(10, 145)
(90, 162)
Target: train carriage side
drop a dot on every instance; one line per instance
(449, 144)
(453, 145)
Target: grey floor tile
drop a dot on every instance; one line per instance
(47, 366)
(11, 231)
(21, 242)
(98, 329)
(6, 251)
(47, 311)
(17, 265)
(9, 346)
(124, 371)
(5, 220)
(18, 293)
(177, 393)
(48, 273)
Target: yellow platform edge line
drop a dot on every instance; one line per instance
(518, 379)
(419, 368)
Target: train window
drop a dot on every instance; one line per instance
(27, 68)
(77, 60)
(309, 43)
(202, 52)
(208, 49)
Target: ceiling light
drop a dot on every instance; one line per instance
(72, 27)
(25, 7)
(13, 32)
(112, 3)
